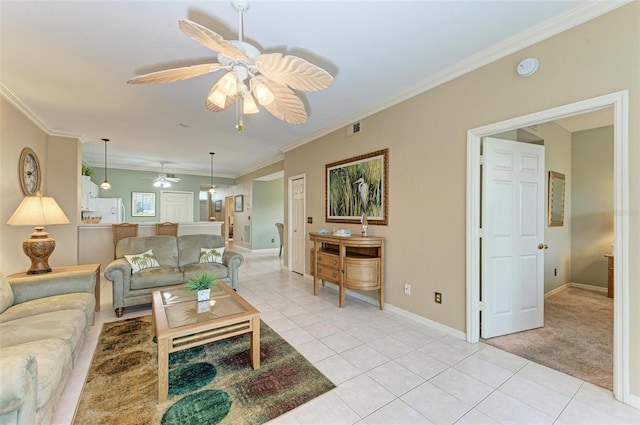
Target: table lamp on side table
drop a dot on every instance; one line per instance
(38, 211)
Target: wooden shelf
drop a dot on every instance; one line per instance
(352, 262)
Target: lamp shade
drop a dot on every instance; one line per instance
(38, 211)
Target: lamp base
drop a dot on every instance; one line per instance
(38, 248)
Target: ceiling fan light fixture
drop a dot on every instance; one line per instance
(218, 98)
(249, 105)
(162, 184)
(263, 94)
(228, 84)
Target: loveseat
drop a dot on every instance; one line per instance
(177, 259)
(44, 319)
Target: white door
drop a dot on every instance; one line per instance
(176, 207)
(297, 226)
(512, 228)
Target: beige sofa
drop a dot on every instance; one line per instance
(179, 260)
(44, 320)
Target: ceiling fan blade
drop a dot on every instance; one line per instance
(293, 71)
(176, 74)
(286, 105)
(229, 100)
(212, 40)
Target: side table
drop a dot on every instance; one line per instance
(95, 268)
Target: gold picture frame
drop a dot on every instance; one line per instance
(358, 186)
(556, 199)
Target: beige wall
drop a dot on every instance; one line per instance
(592, 224)
(426, 137)
(60, 160)
(16, 133)
(557, 154)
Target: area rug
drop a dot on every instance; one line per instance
(577, 337)
(209, 384)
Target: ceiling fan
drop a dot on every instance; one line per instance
(267, 77)
(163, 179)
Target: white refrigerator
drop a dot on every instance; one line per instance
(110, 209)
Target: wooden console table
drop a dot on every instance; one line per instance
(95, 268)
(352, 262)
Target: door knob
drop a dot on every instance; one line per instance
(542, 246)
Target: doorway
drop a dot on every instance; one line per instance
(296, 234)
(619, 101)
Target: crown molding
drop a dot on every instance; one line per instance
(543, 31)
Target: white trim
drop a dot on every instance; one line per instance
(558, 289)
(620, 102)
(587, 287)
(634, 401)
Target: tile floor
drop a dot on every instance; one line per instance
(389, 369)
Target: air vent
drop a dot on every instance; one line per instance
(353, 129)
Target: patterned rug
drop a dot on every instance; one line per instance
(209, 384)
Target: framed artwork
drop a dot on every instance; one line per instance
(218, 206)
(143, 204)
(358, 186)
(239, 203)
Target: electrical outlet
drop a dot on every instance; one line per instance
(438, 298)
(555, 272)
(272, 240)
(407, 288)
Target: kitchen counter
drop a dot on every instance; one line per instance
(95, 241)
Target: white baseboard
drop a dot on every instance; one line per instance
(422, 320)
(634, 400)
(589, 287)
(558, 289)
(575, 285)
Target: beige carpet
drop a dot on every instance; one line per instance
(577, 337)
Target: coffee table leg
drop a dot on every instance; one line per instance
(163, 370)
(255, 343)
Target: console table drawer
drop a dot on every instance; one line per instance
(328, 260)
(329, 274)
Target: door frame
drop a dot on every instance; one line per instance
(289, 222)
(620, 103)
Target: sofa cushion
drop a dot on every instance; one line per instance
(218, 271)
(144, 260)
(165, 248)
(212, 255)
(189, 247)
(155, 277)
(54, 363)
(6, 294)
(77, 301)
(68, 325)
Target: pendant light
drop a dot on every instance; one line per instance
(212, 190)
(105, 184)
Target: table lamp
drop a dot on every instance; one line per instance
(38, 211)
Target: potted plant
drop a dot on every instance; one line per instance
(202, 283)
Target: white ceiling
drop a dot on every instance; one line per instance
(66, 64)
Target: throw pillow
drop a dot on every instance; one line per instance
(6, 294)
(138, 262)
(211, 255)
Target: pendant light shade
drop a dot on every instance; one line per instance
(212, 190)
(105, 184)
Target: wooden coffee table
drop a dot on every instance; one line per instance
(181, 322)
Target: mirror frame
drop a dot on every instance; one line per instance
(557, 189)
